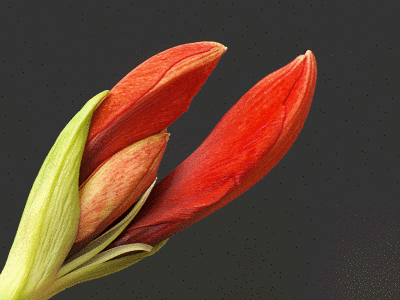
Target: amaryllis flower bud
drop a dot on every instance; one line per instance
(87, 214)
(142, 104)
(112, 149)
(148, 100)
(245, 145)
(116, 185)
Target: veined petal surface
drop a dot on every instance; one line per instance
(148, 99)
(245, 145)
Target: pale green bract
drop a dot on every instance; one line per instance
(50, 220)
(36, 268)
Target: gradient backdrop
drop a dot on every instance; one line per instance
(323, 224)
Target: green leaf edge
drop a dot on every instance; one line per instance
(94, 271)
(27, 248)
(100, 243)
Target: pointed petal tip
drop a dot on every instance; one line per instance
(312, 61)
(310, 55)
(222, 47)
(218, 47)
(309, 61)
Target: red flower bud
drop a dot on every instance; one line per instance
(127, 136)
(148, 100)
(245, 145)
(116, 185)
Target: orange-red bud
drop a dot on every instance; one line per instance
(147, 100)
(116, 185)
(245, 145)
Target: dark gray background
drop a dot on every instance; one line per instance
(272, 242)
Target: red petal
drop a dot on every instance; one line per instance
(246, 144)
(148, 99)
